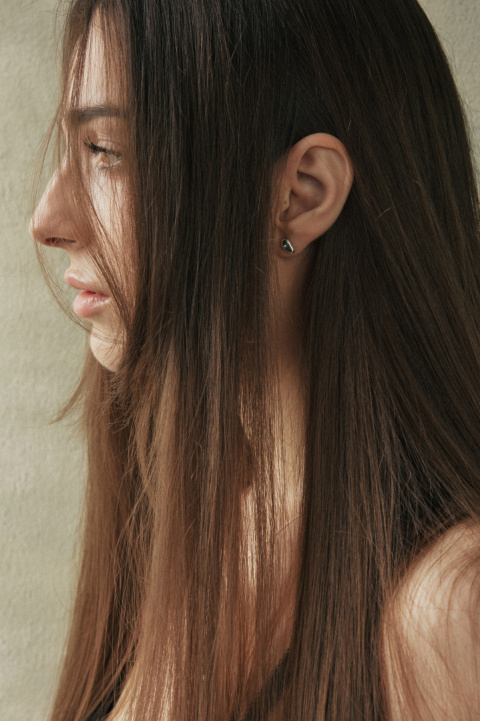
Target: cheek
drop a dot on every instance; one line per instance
(109, 201)
(112, 206)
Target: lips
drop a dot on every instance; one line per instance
(90, 300)
(80, 284)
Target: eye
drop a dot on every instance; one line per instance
(109, 159)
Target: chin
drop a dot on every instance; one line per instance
(107, 350)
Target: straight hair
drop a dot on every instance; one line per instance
(178, 588)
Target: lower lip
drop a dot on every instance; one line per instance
(88, 303)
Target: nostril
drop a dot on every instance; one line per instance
(53, 242)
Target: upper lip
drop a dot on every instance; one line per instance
(81, 284)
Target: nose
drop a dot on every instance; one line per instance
(53, 222)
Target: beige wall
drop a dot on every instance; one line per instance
(41, 467)
(40, 353)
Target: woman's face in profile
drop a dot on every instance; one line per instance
(96, 124)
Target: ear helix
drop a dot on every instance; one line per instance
(287, 246)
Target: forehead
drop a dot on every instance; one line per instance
(101, 82)
(99, 79)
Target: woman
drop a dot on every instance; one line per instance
(271, 214)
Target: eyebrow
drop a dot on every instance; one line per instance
(79, 116)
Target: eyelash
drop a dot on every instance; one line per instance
(100, 150)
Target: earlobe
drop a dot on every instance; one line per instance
(317, 179)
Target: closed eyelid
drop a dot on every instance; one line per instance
(100, 148)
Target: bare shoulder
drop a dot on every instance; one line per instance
(444, 579)
(432, 632)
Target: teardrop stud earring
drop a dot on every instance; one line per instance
(287, 246)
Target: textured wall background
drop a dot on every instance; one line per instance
(40, 357)
(41, 467)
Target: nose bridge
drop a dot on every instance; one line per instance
(53, 222)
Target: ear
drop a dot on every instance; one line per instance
(315, 183)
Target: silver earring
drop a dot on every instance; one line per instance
(287, 246)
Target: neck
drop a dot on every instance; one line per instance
(289, 317)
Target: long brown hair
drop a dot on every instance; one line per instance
(218, 91)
